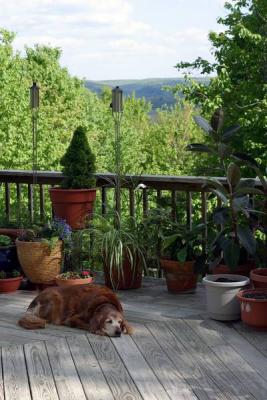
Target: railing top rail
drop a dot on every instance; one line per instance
(161, 182)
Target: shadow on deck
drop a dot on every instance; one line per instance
(174, 353)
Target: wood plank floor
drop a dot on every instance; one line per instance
(175, 353)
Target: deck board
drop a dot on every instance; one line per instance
(69, 386)
(175, 353)
(16, 385)
(89, 370)
(39, 372)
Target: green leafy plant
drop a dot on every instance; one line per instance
(76, 275)
(168, 238)
(117, 241)
(3, 275)
(5, 240)
(234, 241)
(78, 163)
(77, 252)
(13, 274)
(50, 233)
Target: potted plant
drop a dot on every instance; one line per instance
(233, 245)
(40, 251)
(8, 254)
(76, 259)
(180, 250)
(182, 257)
(253, 303)
(73, 201)
(122, 253)
(10, 281)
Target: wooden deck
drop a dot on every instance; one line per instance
(174, 353)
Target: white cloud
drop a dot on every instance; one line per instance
(103, 32)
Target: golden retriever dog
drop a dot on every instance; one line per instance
(94, 308)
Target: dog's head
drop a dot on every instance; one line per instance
(108, 321)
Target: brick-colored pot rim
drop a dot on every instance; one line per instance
(259, 275)
(17, 278)
(242, 293)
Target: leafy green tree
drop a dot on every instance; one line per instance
(240, 66)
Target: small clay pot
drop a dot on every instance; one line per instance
(258, 277)
(253, 304)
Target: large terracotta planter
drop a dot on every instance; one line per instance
(253, 304)
(131, 278)
(71, 282)
(240, 270)
(10, 284)
(75, 206)
(40, 263)
(258, 278)
(180, 277)
(221, 291)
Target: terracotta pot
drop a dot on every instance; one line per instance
(258, 277)
(39, 263)
(73, 205)
(131, 278)
(10, 284)
(71, 282)
(180, 277)
(240, 270)
(253, 310)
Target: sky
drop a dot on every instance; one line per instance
(116, 39)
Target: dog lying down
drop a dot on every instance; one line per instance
(91, 307)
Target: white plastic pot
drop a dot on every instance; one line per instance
(222, 303)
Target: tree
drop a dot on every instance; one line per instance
(240, 84)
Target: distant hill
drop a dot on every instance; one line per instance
(151, 89)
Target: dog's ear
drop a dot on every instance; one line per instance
(126, 328)
(96, 323)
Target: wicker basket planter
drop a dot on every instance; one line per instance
(39, 263)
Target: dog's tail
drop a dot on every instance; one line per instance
(31, 321)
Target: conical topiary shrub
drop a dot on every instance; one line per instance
(73, 202)
(78, 163)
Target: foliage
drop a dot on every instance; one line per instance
(13, 274)
(234, 240)
(76, 251)
(75, 275)
(115, 242)
(169, 238)
(5, 240)
(240, 68)
(50, 233)
(78, 163)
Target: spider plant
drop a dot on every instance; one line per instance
(118, 241)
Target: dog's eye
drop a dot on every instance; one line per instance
(109, 321)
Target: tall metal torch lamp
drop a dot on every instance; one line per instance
(117, 111)
(34, 104)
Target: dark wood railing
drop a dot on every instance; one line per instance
(144, 186)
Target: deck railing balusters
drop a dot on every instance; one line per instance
(145, 203)
(30, 202)
(7, 200)
(42, 202)
(189, 209)
(132, 202)
(103, 200)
